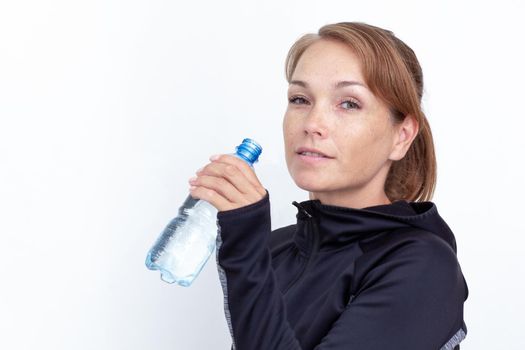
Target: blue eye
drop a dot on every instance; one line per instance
(351, 105)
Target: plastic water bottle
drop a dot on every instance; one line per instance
(185, 245)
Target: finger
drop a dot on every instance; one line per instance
(220, 185)
(235, 177)
(210, 196)
(243, 167)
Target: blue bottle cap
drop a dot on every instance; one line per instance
(249, 150)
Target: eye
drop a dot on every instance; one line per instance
(350, 104)
(296, 100)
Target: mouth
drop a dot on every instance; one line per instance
(312, 153)
(312, 156)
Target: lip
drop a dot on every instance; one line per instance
(313, 150)
(310, 159)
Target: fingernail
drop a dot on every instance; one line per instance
(193, 179)
(199, 170)
(215, 157)
(192, 188)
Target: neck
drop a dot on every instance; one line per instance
(351, 200)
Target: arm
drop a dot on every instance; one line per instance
(230, 185)
(411, 301)
(253, 302)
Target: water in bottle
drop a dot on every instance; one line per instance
(187, 242)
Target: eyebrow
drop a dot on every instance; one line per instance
(338, 85)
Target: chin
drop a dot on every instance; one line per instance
(310, 184)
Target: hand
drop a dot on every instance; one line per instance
(227, 183)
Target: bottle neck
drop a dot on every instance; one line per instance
(243, 157)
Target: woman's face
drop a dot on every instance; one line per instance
(332, 111)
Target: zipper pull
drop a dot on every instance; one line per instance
(301, 208)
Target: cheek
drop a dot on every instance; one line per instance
(354, 138)
(287, 137)
(381, 136)
(363, 145)
(375, 150)
(289, 130)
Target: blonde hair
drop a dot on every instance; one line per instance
(392, 72)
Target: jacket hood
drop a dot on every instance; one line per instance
(338, 226)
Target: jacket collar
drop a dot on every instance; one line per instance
(339, 226)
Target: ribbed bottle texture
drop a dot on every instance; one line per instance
(185, 245)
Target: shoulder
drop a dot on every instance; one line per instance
(427, 249)
(413, 257)
(424, 243)
(409, 241)
(410, 254)
(428, 257)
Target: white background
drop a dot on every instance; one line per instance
(108, 107)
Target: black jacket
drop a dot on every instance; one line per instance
(382, 277)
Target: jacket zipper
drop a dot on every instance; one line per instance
(315, 246)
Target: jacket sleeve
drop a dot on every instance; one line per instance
(253, 303)
(392, 310)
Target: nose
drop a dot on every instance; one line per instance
(315, 123)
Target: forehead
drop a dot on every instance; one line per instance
(328, 59)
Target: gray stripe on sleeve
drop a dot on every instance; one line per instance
(224, 283)
(455, 340)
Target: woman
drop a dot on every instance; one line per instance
(369, 264)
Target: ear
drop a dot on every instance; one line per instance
(404, 134)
